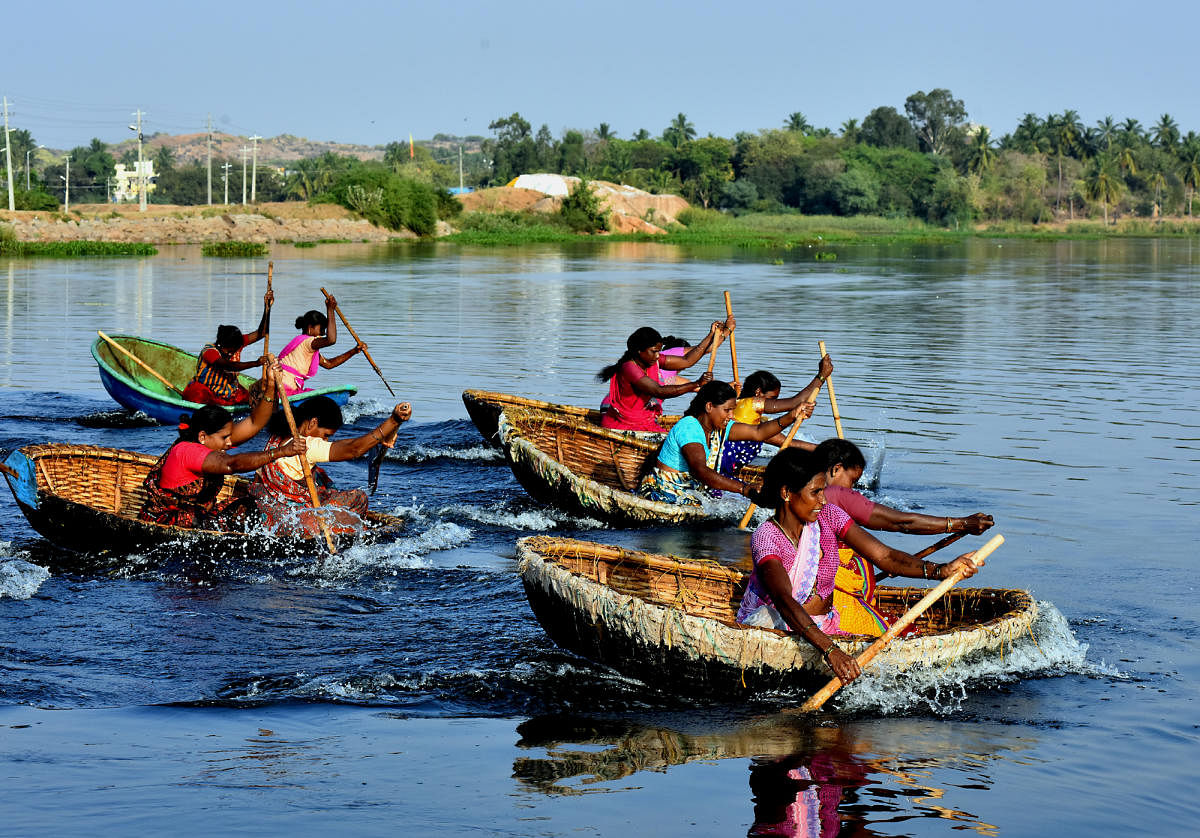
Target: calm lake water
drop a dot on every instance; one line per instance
(407, 689)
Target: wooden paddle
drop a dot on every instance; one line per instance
(137, 360)
(712, 355)
(308, 478)
(737, 384)
(837, 417)
(787, 440)
(900, 625)
(354, 335)
(945, 542)
(267, 331)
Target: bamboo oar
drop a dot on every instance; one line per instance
(308, 478)
(354, 335)
(737, 384)
(712, 355)
(786, 442)
(267, 333)
(137, 361)
(900, 625)
(945, 542)
(837, 417)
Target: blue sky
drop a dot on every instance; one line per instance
(371, 72)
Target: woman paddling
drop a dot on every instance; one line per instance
(854, 591)
(183, 488)
(687, 460)
(279, 487)
(301, 358)
(217, 368)
(635, 392)
(761, 396)
(795, 554)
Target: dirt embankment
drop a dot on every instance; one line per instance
(165, 224)
(631, 210)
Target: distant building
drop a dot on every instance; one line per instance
(126, 182)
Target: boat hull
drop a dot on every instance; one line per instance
(136, 390)
(613, 607)
(86, 498)
(484, 407)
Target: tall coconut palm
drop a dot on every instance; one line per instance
(679, 131)
(1166, 132)
(981, 152)
(1126, 160)
(1159, 182)
(796, 121)
(1062, 133)
(850, 130)
(1191, 176)
(1029, 134)
(1106, 131)
(1104, 185)
(1131, 131)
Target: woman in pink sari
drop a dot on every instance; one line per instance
(301, 358)
(635, 394)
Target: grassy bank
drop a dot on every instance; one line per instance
(9, 246)
(787, 231)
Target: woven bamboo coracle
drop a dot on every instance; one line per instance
(668, 618)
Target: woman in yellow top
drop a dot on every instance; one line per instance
(760, 396)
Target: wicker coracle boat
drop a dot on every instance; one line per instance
(86, 498)
(667, 620)
(484, 406)
(134, 388)
(588, 470)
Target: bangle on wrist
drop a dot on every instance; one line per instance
(825, 654)
(948, 519)
(924, 569)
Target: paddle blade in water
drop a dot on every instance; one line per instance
(374, 461)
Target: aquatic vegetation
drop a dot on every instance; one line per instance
(234, 249)
(11, 246)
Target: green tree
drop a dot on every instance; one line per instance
(1166, 132)
(1062, 134)
(1107, 130)
(604, 132)
(1159, 181)
(582, 211)
(512, 151)
(395, 155)
(1104, 185)
(884, 127)
(850, 131)
(679, 131)
(571, 157)
(704, 167)
(797, 122)
(934, 117)
(1190, 174)
(982, 154)
(164, 160)
(1029, 136)
(641, 134)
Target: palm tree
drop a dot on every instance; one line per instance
(1062, 135)
(796, 121)
(1159, 182)
(1126, 161)
(1106, 130)
(1029, 135)
(679, 131)
(1131, 130)
(164, 159)
(605, 132)
(1104, 185)
(982, 154)
(850, 130)
(1166, 132)
(641, 134)
(1191, 176)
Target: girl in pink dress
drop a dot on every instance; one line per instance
(301, 358)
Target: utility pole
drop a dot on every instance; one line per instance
(141, 169)
(210, 160)
(226, 166)
(31, 151)
(67, 183)
(245, 151)
(254, 168)
(460, 177)
(8, 160)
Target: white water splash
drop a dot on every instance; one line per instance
(19, 579)
(384, 558)
(498, 515)
(357, 408)
(421, 453)
(1052, 650)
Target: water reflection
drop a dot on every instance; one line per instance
(803, 780)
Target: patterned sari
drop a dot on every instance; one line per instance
(193, 505)
(287, 507)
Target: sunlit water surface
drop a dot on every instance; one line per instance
(406, 689)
